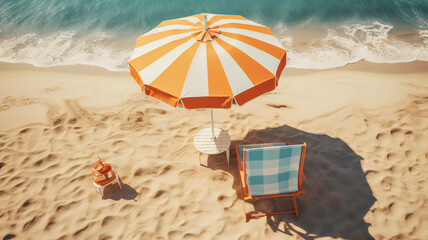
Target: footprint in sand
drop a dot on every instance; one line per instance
(52, 89)
(155, 111)
(45, 160)
(27, 226)
(226, 201)
(26, 206)
(107, 220)
(9, 236)
(397, 135)
(136, 117)
(121, 148)
(278, 106)
(80, 230)
(50, 224)
(392, 156)
(383, 138)
(72, 121)
(386, 183)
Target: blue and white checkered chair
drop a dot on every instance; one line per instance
(271, 170)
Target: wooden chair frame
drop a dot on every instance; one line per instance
(245, 193)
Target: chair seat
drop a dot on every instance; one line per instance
(273, 170)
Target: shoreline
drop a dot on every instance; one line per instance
(416, 66)
(370, 67)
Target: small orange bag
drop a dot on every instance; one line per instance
(102, 173)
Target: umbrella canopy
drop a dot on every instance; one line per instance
(207, 61)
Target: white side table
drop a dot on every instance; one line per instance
(205, 144)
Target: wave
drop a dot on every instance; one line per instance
(67, 48)
(350, 43)
(337, 46)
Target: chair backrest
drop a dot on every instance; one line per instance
(274, 170)
(250, 146)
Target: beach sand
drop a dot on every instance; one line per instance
(365, 124)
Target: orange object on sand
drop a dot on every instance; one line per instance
(102, 174)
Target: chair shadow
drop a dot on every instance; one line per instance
(338, 195)
(115, 193)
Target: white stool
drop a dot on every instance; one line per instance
(100, 188)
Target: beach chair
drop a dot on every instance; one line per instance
(271, 170)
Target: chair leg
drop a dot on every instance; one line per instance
(243, 205)
(243, 200)
(249, 215)
(295, 206)
(102, 191)
(119, 181)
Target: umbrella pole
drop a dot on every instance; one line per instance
(212, 125)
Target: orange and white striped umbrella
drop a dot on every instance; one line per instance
(207, 61)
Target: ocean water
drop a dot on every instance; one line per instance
(317, 34)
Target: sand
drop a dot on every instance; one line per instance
(366, 126)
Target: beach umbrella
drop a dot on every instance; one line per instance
(207, 61)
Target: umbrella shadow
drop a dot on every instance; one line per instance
(338, 195)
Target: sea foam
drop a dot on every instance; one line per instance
(66, 48)
(351, 43)
(343, 44)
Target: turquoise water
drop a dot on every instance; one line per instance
(317, 34)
